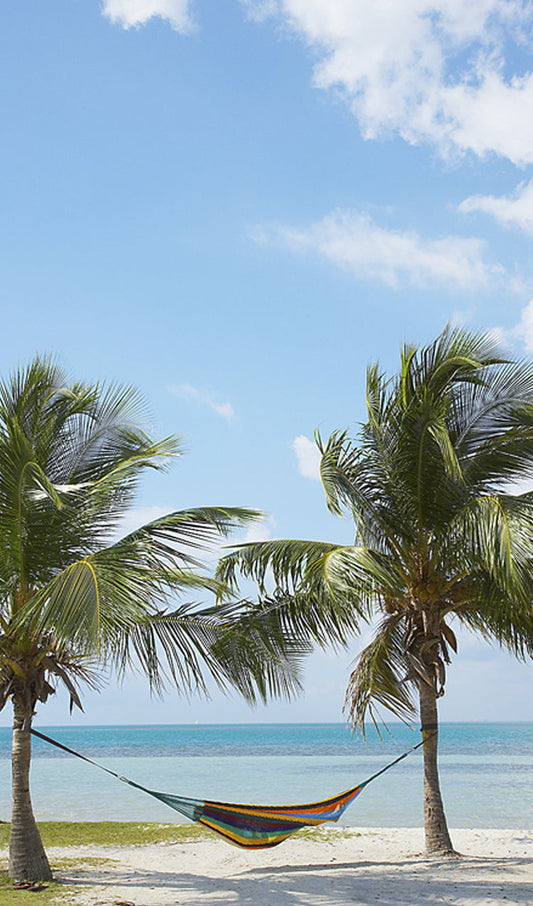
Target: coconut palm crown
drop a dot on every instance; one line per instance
(76, 603)
(439, 538)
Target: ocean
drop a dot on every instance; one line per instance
(486, 771)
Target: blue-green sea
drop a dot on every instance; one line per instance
(486, 771)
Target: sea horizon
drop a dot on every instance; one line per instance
(246, 723)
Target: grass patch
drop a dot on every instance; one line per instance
(325, 835)
(83, 861)
(109, 833)
(53, 895)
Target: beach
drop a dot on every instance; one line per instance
(327, 867)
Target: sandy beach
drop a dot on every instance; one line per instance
(328, 868)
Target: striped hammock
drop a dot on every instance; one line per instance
(249, 826)
(256, 826)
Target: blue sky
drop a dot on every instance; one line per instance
(236, 205)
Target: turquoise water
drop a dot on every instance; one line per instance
(486, 771)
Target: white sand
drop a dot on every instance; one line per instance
(383, 866)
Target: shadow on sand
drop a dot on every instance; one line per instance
(410, 882)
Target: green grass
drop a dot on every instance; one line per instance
(109, 833)
(329, 834)
(53, 895)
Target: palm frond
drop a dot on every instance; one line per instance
(198, 528)
(495, 533)
(239, 645)
(378, 679)
(289, 563)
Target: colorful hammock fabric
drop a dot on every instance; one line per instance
(256, 826)
(249, 826)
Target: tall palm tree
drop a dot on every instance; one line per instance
(438, 535)
(74, 602)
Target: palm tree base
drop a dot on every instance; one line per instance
(443, 854)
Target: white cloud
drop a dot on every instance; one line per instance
(308, 456)
(258, 531)
(226, 410)
(462, 316)
(187, 392)
(394, 257)
(130, 13)
(439, 71)
(510, 210)
(523, 331)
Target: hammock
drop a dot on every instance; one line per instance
(249, 826)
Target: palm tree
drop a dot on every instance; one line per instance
(75, 603)
(438, 535)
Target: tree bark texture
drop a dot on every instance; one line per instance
(435, 824)
(27, 858)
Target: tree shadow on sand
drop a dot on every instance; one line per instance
(472, 880)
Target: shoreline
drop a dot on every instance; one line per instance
(324, 867)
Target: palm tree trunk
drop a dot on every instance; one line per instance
(435, 825)
(27, 858)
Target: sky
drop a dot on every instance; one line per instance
(236, 206)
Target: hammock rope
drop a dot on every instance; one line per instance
(249, 826)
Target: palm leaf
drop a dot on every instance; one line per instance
(379, 678)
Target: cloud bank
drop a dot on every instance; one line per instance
(130, 13)
(353, 240)
(444, 72)
(515, 210)
(308, 456)
(523, 331)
